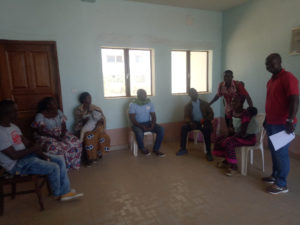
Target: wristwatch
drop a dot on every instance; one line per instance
(289, 120)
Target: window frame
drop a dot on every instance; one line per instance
(127, 71)
(188, 70)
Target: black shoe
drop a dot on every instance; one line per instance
(181, 152)
(274, 189)
(209, 157)
(269, 180)
(146, 152)
(160, 154)
(88, 163)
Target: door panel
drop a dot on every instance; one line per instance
(17, 68)
(41, 70)
(28, 73)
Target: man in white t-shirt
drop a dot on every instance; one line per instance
(19, 156)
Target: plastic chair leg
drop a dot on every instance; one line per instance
(135, 148)
(262, 158)
(251, 156)
(244, 161)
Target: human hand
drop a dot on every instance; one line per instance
(230, 131)
(145, 128)
(206, 124)
(265, 124)
(43, 156)
(37, 149)
(192, 125)
(289, 127)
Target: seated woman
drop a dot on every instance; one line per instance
(242, 132)
(51, 133)
(95, 141)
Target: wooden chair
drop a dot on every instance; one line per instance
(13, 180)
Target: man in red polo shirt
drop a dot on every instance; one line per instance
(281, 109)
(228, 89)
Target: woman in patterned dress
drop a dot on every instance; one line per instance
(242, 132)
(51, 133)
(95, 142)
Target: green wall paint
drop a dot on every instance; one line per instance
(251, 32)
(80, 29)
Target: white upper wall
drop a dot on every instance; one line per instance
(251, 33)
(80, 28)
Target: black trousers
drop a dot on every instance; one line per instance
(206, 131)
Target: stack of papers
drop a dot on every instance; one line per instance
(281, 139)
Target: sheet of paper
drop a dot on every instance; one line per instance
(281, 139)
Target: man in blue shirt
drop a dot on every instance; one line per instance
(197, 116)
(143, 118)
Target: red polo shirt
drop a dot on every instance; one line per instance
(278, 90)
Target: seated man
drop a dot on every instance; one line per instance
(19, 156)
(197, 116)
(143, 118)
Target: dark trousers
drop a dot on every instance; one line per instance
(280, 158)
(206, 131)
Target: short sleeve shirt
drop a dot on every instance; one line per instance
(196, 112)
(10, 136)
(142, 112)
(228, 93)
(279, 89)
(50, 123)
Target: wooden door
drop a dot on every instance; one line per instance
(28, 73)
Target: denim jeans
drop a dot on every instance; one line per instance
(139, 134)
(280, 158)
(185, 129)
(55, 169)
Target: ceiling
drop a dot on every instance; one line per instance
(215, 5)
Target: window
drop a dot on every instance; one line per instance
(189, 70)
(125, 71)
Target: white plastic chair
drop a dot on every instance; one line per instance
(259, 145)
(133, 143)
(133, 146)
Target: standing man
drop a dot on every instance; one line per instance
(143, 118)
(229, 88)
(19, 156)
(197, 116)
(281, 109)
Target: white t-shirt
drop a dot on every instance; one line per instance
(10, 136)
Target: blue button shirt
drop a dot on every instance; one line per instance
(142, 112)
(197, 114)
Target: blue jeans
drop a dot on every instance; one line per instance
(280, 158)
(55, 169)
(139, 134)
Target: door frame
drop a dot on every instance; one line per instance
(52, 45)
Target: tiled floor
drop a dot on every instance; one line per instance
(187, 190)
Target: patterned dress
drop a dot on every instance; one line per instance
(69, 146)
(95, 142)
(225, 146)
(236, 88)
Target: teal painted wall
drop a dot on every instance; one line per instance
(251, 32)
(81, 28)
